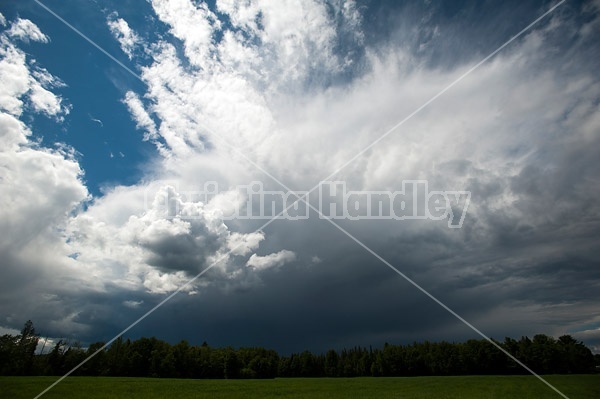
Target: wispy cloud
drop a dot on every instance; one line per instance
(127, 38)
(98, 121)
(272, 260)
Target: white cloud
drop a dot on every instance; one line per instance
(127, 38)
(242, 97)
(40, 187)
(22, 82)
(132, 304)
(244, 244)
(98, 121)
(151, 238)
(45, 101)
(14, 75)
(297, 34)
(272, 260)
(140, 115)
(26, 30)
(13, 132)
(230, 88)
(193, 24)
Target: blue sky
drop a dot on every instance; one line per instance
(298, 88)
(112, 152)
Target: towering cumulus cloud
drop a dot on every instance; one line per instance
(40, 186)
(124, 243)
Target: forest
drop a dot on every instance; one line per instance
(150, 357)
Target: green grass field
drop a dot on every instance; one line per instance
(480, 387)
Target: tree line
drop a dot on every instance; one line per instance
(151, 357)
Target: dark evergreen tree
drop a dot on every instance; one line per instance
(150, 357)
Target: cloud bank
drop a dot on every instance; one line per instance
(299, 88)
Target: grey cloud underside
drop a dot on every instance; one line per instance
(182, 252)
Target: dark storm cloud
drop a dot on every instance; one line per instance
(525, 252)
(186, 251)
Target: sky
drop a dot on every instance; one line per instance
(100, 157)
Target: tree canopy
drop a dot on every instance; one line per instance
(151, 357)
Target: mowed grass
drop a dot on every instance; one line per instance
(480, 387)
